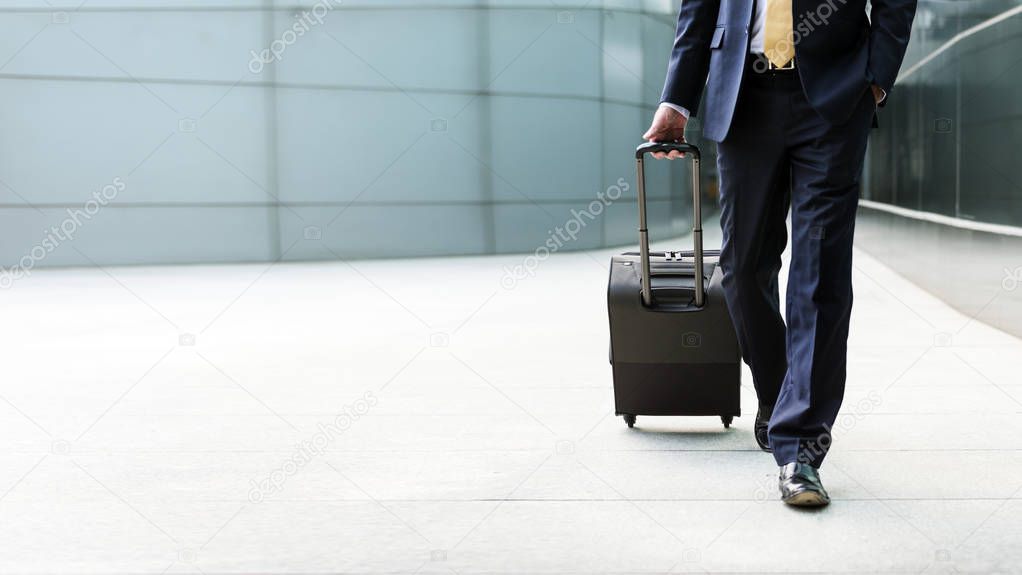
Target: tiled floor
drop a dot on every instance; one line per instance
(403, 416)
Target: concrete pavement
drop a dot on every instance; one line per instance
(436, 416)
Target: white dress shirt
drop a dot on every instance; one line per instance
(755, 47)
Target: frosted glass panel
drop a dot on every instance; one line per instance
(263, 129)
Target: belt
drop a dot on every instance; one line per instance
(762, 65)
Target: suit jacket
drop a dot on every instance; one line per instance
(839, 52)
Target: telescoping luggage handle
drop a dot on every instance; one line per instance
(697, 216)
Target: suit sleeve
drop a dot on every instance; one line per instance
(690, 58)
(890, 28)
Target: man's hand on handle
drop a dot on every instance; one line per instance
(668, 126)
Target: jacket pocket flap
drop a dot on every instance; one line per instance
(718, 38)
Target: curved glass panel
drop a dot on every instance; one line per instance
(949, 139)
(248, 130)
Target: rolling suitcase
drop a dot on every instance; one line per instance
(673, 347)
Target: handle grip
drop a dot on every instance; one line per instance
(654, 147)
(697, 215)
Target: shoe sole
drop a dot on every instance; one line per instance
(807, 499)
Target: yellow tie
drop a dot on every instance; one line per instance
(777, 42)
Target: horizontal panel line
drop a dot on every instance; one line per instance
(469, 450)
(322, 87)
(488, 500)
(309, 6)
(363, 204)
(963, 224)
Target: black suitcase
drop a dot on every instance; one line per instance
(673, 347)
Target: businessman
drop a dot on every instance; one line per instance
(792, 88)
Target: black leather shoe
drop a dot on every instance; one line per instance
(800, 486)
(760, 429)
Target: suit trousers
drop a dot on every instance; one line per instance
(780, 155)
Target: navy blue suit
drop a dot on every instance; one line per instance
(839, 54)
(790, 141)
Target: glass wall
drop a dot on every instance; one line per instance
(255, 130)
(949, 139)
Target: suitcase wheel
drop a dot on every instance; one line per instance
(630, 420)
(727, 419)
